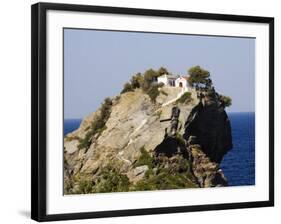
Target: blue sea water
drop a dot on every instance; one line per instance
(238, 164)
(70, 125)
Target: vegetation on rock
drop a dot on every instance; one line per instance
(163, 173)
(162, 71)
(226, 100)
(144, 159)
(198, 75)
(185, 98)
(109, 179)
(98, 125)
(147, 82)
(167, 173)
(127, 88)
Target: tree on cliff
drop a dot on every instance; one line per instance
(198, 75)
(162, 71)
(226, 100)
(137, 81)
(127, 88)
(149, 76)
(146, 81)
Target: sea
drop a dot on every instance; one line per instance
(238, 164)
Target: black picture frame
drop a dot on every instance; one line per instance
(38, 116)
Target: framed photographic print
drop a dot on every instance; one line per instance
(140, 111)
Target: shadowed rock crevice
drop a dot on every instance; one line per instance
(208, 125)
(171, 146)
(206, 139)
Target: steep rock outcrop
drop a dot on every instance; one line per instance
(208, 125)
(206, 172)
(131, 151)
(133, 124)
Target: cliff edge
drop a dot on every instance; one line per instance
(134, 143)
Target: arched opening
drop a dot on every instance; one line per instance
(180, 84)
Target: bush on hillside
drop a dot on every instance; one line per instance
(185, 98)
(98, 125)
(226, 100)
(127, 88)
(198, 75)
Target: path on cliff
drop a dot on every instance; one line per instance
(175, 99)
(144, 121)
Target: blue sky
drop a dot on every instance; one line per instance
(98, 63)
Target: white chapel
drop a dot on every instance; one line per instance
(174, 81)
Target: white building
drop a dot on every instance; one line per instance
(167, 80)
(175, 81)
(182, 82)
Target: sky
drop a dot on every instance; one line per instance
(97, 64)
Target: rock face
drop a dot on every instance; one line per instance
(208, 125)
(133, 124)
(137, 173)
(207, 173)
(130, 150)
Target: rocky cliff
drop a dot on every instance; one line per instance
(208, 125)
(123, 146)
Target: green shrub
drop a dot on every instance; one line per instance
(163, 173)
(127, 88)
(162, 71)
(144, 159)
(84, 186)
(153, 92)
(185, 98)
(98, 125)
(149, 77)
(180, 139)
(137, 81)
(86, 141)
(198, 75)
(226, 100)
(164, 180)
(111, 180)
(147, 82)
